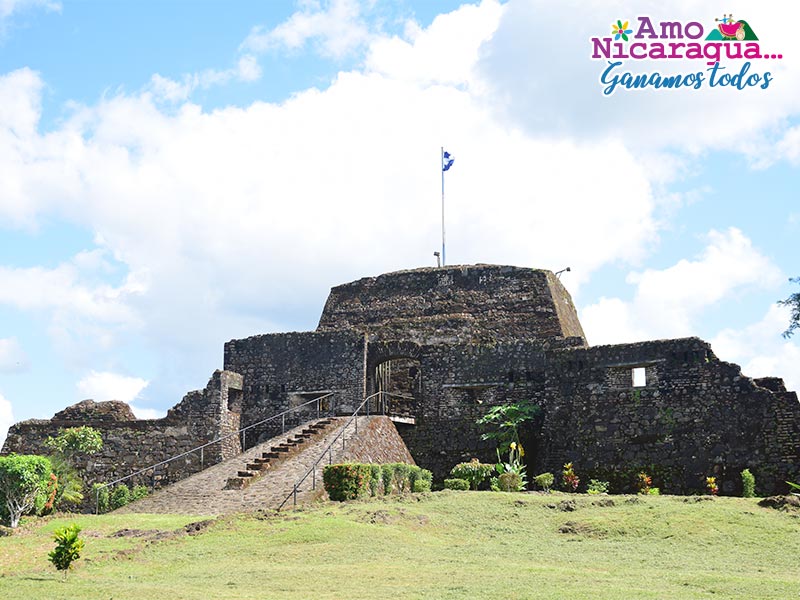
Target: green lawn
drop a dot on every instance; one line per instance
(440, 545)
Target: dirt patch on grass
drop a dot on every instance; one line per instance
(157, 535)
(576, 528)
(785, 503)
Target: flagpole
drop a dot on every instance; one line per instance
(442, 169)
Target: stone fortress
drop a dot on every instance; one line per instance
(446, 344)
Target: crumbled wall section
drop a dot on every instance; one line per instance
(378, 443)
(130, 444)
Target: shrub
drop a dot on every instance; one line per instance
(120, 496)
(402, 472)
(23, 480)
(68, 547)
(139, 491)
(643, 483)
(748, 484)
(711, 485)
(456, 484)
(473, 472)
(387, 474)
(421, 480)
(654, 491)
(509, 482)
(544, 481)
(101, 495)
(597, 487)
(569, 479)
(374, 479)
(346, 481)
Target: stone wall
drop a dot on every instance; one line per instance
(694, 416)
(130, 444)
(282, 371)
(479, 300)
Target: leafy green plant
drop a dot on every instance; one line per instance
(387, 475)
(120, 496)
(509, 482)
(654, 491)
(346, 481)
(544, 481)
(456, 484)
(597, 487)
(23, 479)
(139, 491)
(401, 476)
(711, 486)
(474, 472)
(68, 548)
(504, 422)
(514, 464)
(794, 486)
(748, 484)
(421, 480)
(569, 479)
(374, 479)
(76, 440)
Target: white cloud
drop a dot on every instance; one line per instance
(668, 303)
(13, 358)
(338, 27)
(761, 350)
(104, 385)
(246, 70)
(6, 418)
(9, 7)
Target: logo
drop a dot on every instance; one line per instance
(727, 40)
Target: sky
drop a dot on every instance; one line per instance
(177, 174)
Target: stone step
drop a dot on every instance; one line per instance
(257, 466)
(245, 474)
(268, 455)
(280, 448)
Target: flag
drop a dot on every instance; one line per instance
(447, 161)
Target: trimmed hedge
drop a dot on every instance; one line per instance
(349, 481)
(456, 484)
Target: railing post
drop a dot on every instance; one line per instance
(294, 502)
(283, 423)
(97, 501)
(202, 458)
(319, 404)
(314, 478)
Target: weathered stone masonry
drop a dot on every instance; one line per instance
(449, 343)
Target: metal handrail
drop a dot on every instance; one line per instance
(216, 441)
(328, 450)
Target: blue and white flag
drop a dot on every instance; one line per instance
(447, 161)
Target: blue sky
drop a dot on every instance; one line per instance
(176, 174)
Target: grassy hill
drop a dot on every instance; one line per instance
(440, 545)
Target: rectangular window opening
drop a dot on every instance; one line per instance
(639, 376)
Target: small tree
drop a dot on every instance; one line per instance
(504, 423)
(76, 440)
(793, 302)
(23, 478)
(68, 548)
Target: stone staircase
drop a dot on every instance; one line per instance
(269, 474)
(276, 454)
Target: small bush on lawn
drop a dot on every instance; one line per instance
(456, 484)
(387, 474)
(597, 487)
(654, 491)
(509, 482)
(748, 484)
(421, 480)
(374, 480)
(569, 479)
(473, 472)
(68, 548)
(139, 491)
(347, 481)
(544, 481)
(119, 497)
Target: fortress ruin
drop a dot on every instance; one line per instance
(446, 344)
